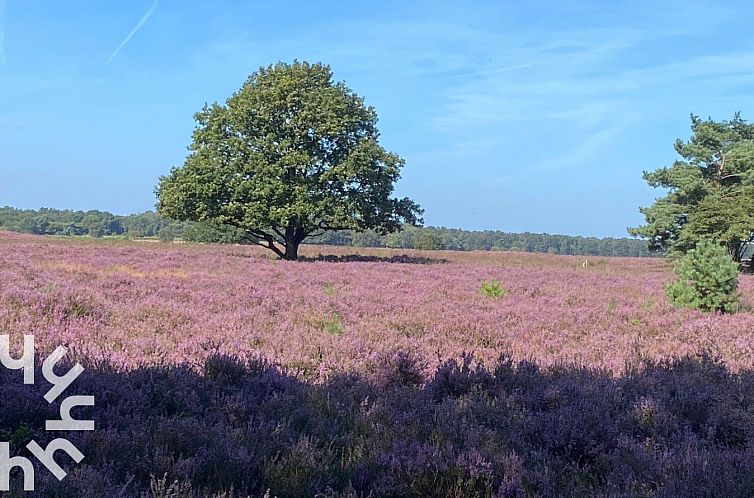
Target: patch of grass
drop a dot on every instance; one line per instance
(492, 288)
(333, 324)
(79, 308)
(612, 305)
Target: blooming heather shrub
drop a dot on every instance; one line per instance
(159, 304)
(162, 488)
(401, 368)
(454, 379)
(232, 397)
(492, 288)
(675, 428)
(224, 369)
(348, 492)
(431, 470)
(707, 279)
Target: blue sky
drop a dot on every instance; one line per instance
(511, 115)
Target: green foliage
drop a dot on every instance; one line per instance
(48, 221)
(149, 224)
(492, 288)
(167, 234)
(428, 241)
(711, 190)
(466, 240)
(368, 238)
(333, 324)
(290, 154)
(708, 279)
(215, 233)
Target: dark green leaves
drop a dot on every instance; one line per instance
(290, 154)
(710, 192)
(707, 279)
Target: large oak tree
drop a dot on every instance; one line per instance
(710, 190)
(290, 155)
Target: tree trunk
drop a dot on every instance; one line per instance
(293, 237)
(736, 251)
(291, 250)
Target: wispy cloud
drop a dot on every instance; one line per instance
(2, 32)
(562, 98)
(138, 26)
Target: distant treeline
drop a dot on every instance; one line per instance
(433, 238)
(47, 221)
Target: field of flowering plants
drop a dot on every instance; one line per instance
(218, 371)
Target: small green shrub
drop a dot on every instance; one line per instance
(707, 280)
(166, 234)
(492, 288)
(333, 324)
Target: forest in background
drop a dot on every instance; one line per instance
(47, 221)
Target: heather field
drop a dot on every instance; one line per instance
(219, 371)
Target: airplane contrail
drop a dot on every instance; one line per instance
(2, 32)
(138, 26)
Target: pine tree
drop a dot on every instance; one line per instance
(708, 279)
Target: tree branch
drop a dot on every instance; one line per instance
(265, 237)
(280, 234)
(256, 233)
(271, 246)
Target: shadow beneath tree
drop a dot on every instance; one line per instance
(235, 427)
(362, 258)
